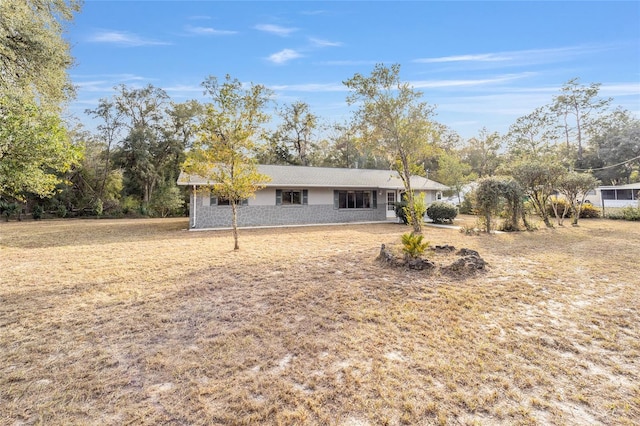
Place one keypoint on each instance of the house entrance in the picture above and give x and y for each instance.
(391, 199)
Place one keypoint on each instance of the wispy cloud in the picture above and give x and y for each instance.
(486, 57)
(104, 83)
(209, 31)
(123, 38)
(349, 63)
(284, 55)
(620, 89)
(432, 84)
(518, 56)
(314, 12)
(275, 29)
(316, 42)
(185, 88)
(310, 87)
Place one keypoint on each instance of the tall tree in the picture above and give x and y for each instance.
(482, 152)
(222, 151)
(108, 134)
(34, 85)
(454, 173)
(296, 132)
(34, 150)
(34, 57)
(347, 151)
(532, 135)
(146, 149)
(614, 148)
(179, 133)
(392, 118)
(577, 106)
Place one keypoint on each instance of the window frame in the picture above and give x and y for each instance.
(303, 197)
(214, 200)
(354, 199)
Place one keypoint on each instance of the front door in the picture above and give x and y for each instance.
(391, 200)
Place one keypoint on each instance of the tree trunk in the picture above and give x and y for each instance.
(487, 219)
(416, 221)
(234, 224)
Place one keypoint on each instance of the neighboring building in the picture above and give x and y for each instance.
(615, 196)
(299, 195)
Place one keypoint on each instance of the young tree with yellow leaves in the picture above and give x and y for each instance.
(222, 152)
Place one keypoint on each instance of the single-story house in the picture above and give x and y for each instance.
(615, 195)
(298, 195)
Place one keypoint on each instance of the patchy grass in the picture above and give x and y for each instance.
(112, 322)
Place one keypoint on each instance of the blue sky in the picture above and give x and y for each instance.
(482, 64)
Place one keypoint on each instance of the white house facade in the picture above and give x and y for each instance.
(616, 196)
(298, 195)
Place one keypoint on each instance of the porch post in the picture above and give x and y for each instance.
(195, 202)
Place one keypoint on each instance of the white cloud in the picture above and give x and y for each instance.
(275, 29)
(123, 38)
(422, 84)
(349, 63)
(283, 56)
(620, 89)
(486, 57)
(519, 56)
(104, 83)
(310, 87)
(324, 43)
(209, 31)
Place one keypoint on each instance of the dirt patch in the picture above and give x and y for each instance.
(466, 264)
(141, 322)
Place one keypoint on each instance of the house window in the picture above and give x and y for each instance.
(608, 194)
(223, 201)
(291, 197)
(625, 194)
(354, 199)
(439, 196)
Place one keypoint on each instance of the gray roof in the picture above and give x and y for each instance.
(322, 177)
(626, 186)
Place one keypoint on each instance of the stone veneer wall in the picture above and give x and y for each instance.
(220, 216)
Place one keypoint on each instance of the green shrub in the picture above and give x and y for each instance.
(400, 209)
(420, 208)
(130, 205)
(98, 207)
(37, 212)
(61, 211)
(8, 209)
(441, 212)
(627, 213)
(167, 200)
(466, 207)
(413, 246)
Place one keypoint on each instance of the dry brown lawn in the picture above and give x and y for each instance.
(115, 322)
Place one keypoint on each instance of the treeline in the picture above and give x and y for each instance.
(131, 162)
